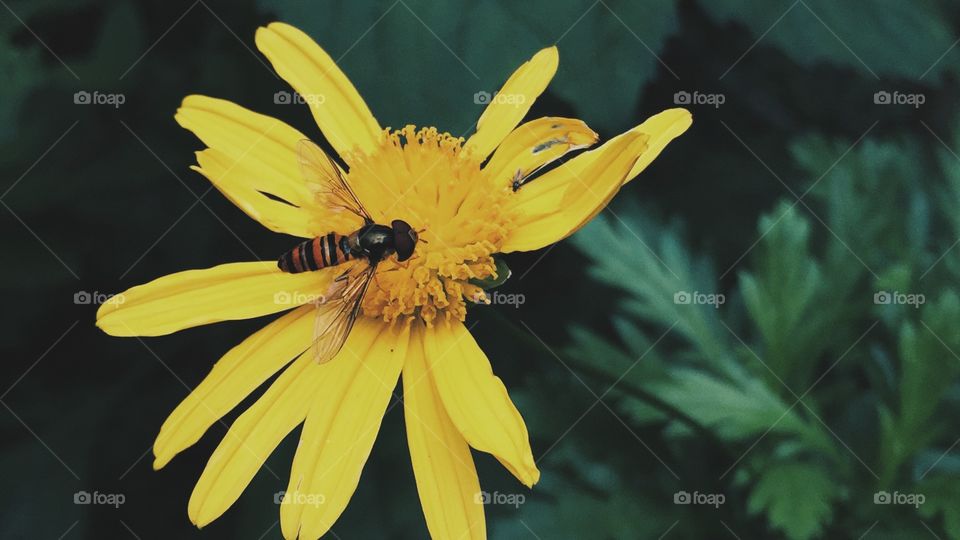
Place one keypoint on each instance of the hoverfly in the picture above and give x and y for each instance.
(369, 245)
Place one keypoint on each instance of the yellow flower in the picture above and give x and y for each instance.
(412, 321)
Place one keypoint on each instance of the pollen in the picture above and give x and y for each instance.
(426, 178)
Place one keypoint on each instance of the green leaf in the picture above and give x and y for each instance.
(872, 201)
(787, 297)
(650, 262)
(617, 46)
(796, 497)
(942, 493)
(879, 37)
(928, 368)
(422, 62)
(732, 411)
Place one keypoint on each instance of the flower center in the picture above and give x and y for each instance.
(425, 178)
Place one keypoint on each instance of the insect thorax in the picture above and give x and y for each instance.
(373, 241)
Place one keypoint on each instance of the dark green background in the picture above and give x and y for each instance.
(695, 399)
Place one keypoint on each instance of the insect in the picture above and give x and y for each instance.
(518, 180)
(521, 177)
(338, 309)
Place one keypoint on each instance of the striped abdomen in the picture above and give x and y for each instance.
(320, 252)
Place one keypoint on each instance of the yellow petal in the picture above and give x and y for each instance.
(535, 144)
(477, 401)
(233, 378)
(561, 201)
(337, 107)
(252, 438)
(251, 154)
(660, 129)
(446, 476)
(196, 297)
(508, 107)
(341, 426)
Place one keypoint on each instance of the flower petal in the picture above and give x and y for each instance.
(252, 438)
(341, 426)
(476, 399)
(508, 107)
(196, 297)
(251, 155)
(446, 476)
(561, 201)
(535, 144)
(337, 107)
(233, 378)
(661, 129)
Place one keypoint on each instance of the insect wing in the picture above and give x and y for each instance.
(323, 176)
(339, 311)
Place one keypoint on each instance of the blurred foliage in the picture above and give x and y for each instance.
(602, 73)
(877, 37)
(828, 383)
(798, 399)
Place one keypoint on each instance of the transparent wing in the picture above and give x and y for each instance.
(520, 178)
(339, 310)
(323, 176)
